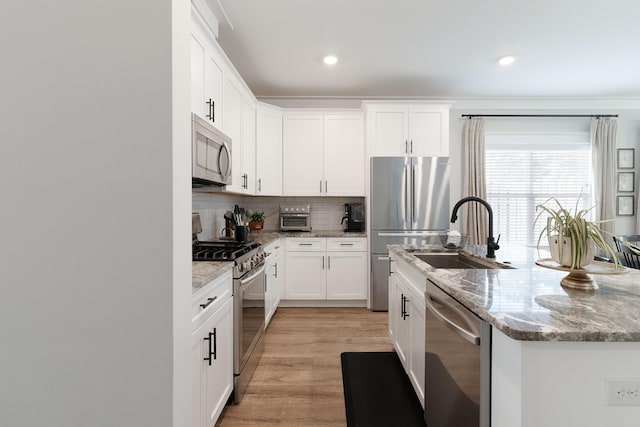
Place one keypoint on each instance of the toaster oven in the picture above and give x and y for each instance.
(295, 217)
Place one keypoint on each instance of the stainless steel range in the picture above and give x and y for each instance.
(248, 300)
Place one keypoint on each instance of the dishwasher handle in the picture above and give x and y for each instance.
(468, 336)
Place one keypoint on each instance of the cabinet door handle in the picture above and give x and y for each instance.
(406, 146)
(209, 301)
(403, 307)
(215, 344)
(320, 186)
(329, 262)
(259, 184)
(326, 187)
(212, 343)
(266, 287)
(211, 115)
(412, 146)
(323, 262)
(275, 266)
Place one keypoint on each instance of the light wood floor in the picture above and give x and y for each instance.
(298, 381)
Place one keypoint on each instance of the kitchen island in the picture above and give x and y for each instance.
(553, 349)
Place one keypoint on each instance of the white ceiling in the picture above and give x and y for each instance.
(435, 48)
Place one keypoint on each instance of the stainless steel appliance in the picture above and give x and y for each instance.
(353, 217)
(457, 364)
(210, 154)
(295, 217)
(409, 204)
(248, 300)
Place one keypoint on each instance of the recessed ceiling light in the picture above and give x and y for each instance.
(506, 60)
(330, 60)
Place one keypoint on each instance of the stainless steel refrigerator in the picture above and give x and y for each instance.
(409, 204)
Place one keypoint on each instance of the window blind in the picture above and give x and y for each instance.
(524, 170)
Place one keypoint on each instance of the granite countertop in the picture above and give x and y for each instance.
(528, 303)
(204, 272)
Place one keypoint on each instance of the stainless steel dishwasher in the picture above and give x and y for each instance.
(457, 363)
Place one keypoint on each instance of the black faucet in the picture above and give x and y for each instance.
(492, 244)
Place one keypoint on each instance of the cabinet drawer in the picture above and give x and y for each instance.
(358, 244)
(301, 244)
(208, 299)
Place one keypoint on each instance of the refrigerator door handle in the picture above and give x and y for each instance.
(406, 195)
(413, 192)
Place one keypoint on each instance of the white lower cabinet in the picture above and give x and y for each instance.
(326, 268)
(212, 350)
(346, 272)
(406, 325)
(273, 279)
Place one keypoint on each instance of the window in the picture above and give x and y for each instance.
(524, 170)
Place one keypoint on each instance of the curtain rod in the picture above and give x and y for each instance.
(540, 115)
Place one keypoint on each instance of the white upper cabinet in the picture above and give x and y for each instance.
(248, 159)
(303, 151)
(268, 151)
(207, 71)
(240, 126)
(408, 129)
(233, 128)
(323, 154)
(344, 155)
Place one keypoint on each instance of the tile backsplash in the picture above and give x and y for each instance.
(326, 212)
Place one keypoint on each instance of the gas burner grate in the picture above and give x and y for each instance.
(221, 251)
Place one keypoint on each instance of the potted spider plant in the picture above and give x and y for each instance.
(572, 237)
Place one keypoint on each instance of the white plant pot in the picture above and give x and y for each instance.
(556, 241)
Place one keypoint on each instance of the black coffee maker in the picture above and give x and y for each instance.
(354, 217)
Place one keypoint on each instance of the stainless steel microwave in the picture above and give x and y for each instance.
(210, 154)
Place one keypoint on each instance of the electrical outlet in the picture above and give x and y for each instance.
(622, 391)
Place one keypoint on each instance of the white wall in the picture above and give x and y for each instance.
(88, 154)
(628, 135)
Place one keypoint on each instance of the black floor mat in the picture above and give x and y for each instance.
(377, 391)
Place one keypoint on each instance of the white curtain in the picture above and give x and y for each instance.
(474, 181)
(603, 144)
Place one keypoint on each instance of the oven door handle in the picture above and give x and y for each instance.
(468, 336)
(253, 276)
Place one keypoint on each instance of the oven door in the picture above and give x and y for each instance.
(295, 222)
(249, 315)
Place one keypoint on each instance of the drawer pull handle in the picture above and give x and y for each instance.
(305, 244)
(346, 244)
(209, 301)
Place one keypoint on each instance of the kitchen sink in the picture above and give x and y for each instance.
(457, 261)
